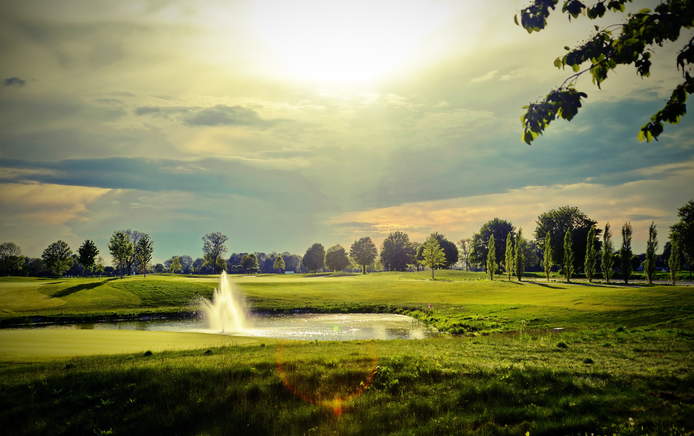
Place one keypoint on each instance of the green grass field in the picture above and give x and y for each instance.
(622, 364)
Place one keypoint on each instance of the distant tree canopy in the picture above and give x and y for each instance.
(557, 222)
(449, 250)
(249, 264)
(87, 254)
(336, 258)
(314, 259)
(122, 251)
(363, 251)
(631, 42)
(58, 257)
(143, 253)
(213, 248)
(278, 264)
(684, 228)
(433, 255)
(500, 229)
(11, 259)
(397, 252)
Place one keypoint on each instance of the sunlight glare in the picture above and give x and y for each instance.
(346, 42)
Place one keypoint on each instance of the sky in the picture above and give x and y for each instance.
(284, 123)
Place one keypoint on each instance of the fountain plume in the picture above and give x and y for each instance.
(226, 312)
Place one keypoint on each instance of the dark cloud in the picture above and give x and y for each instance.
(14, 81)
(204, 176)
(220, 115)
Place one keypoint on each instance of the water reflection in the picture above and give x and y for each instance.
(322, 327)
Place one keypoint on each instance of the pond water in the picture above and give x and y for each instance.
(322, 327)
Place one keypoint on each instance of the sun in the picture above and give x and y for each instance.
(344, 42)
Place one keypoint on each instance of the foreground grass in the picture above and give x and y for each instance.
(603, 382)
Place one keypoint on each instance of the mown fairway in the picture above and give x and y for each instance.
(621, 365)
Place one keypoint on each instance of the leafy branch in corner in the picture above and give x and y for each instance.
(628, 43)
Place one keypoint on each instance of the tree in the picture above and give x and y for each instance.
(175, 265)
(186, 264)
(213, 248)
(87, 254)
(122, 250)
(314, 259)
(480, 241)
(519, 256)
(674, 259)
(249, 263)
(143, 253)
(491, 257)
(57, 257)
(607, 256)
(433, 255)
(11, 259)
(625, 253)
(397, 252)
(651, 246)
(547, 255)
(336, 258)
(589, 264)
(465, 250)
(627, 43)
(508, 260)
(133, 236)
(99, 267)
(278, 264)
(568, 266)
(557, 222)
(449, 249)
(685, 229)
(363, 252)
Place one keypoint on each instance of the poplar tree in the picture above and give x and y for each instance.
(547, 261)
(607, 258)
(568, 256)
(674, 260)
(625, 253)
(589, 264)
(519, 256)
(491, 257)
(651, 246)
(508, 255)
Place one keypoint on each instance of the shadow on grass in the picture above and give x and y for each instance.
(72, 289)
(544, 285)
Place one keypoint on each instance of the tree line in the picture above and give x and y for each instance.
(565, 240)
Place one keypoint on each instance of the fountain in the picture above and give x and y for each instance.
(227, 310)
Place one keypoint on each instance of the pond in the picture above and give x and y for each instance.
(311, 326)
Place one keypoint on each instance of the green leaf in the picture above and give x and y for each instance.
(558, 63)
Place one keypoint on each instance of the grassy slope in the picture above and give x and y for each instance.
(601, 379)
(461, 302)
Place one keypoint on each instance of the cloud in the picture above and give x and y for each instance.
(220, 176)
(219, 115)
(639, 201)
(14, 81)
(485, 77)
(35, 214)
(222, 115)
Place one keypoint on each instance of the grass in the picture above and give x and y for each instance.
(458, 302)
(622, 364)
